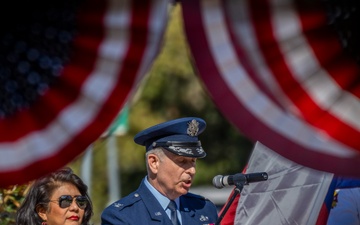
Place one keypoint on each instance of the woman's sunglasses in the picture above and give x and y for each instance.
(66, 200)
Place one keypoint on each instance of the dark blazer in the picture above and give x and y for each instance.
(141, 208)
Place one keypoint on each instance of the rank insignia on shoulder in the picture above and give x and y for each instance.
(118, 205)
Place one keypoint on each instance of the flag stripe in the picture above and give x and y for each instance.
(318, 92)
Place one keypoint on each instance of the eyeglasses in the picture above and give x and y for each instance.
(66, 200)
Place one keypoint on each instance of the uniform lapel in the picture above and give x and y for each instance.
(156, 212)
(191, 214)
(187, 213)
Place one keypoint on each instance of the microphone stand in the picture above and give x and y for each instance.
(238, 188)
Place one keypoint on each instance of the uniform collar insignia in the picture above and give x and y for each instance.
(204, 218)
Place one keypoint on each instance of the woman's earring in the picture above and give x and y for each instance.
(44, 223)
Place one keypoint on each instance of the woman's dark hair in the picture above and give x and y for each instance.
(41, 191)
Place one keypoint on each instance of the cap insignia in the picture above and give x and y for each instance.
(193, 128)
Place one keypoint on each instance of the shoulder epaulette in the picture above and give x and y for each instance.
(127, 201)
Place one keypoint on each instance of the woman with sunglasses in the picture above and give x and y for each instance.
(59, 198)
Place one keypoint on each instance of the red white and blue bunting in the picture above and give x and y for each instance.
(278, 72)
(115, 45)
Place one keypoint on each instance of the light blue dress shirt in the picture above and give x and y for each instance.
(164, 201)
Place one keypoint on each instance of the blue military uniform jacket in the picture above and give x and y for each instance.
(141, 208)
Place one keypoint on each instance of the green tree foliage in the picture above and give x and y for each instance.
(10, 200)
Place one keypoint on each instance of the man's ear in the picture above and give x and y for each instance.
(41, 211)
(153, 162)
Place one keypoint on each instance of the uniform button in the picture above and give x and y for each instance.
(136, 195)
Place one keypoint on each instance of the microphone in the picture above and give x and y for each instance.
(221, 181)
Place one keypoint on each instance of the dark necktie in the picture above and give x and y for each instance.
(174, 218)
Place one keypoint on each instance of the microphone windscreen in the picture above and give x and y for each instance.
(217, 181)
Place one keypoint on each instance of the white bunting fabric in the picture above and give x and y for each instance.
(293, 194)
(278, 71)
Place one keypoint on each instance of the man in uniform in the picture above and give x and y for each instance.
(172, 149)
